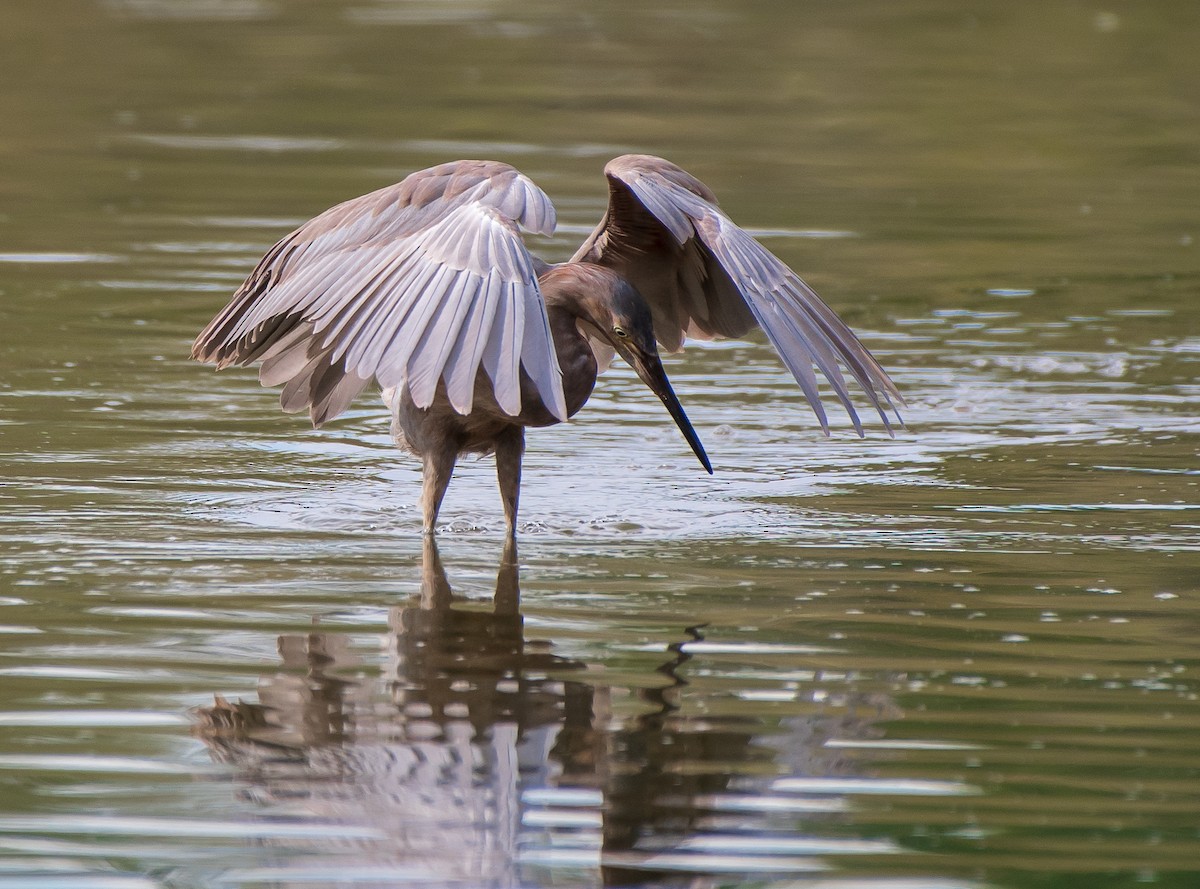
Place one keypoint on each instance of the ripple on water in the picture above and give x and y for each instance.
(957, 659)
(56, 258)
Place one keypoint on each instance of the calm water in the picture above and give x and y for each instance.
(964, 658)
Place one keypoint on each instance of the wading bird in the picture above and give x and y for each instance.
(427, 287)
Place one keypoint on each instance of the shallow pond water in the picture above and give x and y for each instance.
(962, 657)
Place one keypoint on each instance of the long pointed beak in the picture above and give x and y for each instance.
(650, 369)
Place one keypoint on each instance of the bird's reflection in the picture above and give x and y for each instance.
(481, 755)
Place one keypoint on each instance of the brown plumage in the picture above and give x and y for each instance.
(427, 288)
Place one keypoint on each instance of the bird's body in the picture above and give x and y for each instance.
(439, 433)
(427, 287)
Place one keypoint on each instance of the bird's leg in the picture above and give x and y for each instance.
(439, 466)
(510, 446)
(435, 588)
(508, 586)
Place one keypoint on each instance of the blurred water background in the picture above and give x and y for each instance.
(960, 659)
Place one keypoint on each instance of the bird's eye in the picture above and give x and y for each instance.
(620, 333)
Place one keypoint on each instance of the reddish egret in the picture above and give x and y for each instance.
(427, 287)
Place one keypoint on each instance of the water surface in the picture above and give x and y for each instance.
(961, 658)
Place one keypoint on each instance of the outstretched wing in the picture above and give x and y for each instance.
(417, 283)
(706, 278)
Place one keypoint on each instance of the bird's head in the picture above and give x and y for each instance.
(610, 307)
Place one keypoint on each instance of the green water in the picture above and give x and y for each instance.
(959, 659)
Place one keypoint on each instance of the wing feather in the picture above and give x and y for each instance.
(541, 368)
(416, 284)
(437, 340)
(706, 278)
(371, 349)
(394, 366)
(468, 349)
(291, 354)
(360, 319)
(500, 355)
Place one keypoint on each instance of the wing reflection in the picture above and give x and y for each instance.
(479, 755)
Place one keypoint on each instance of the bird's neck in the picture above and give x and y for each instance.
(575, 355)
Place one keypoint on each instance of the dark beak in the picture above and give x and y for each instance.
(650, 369)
